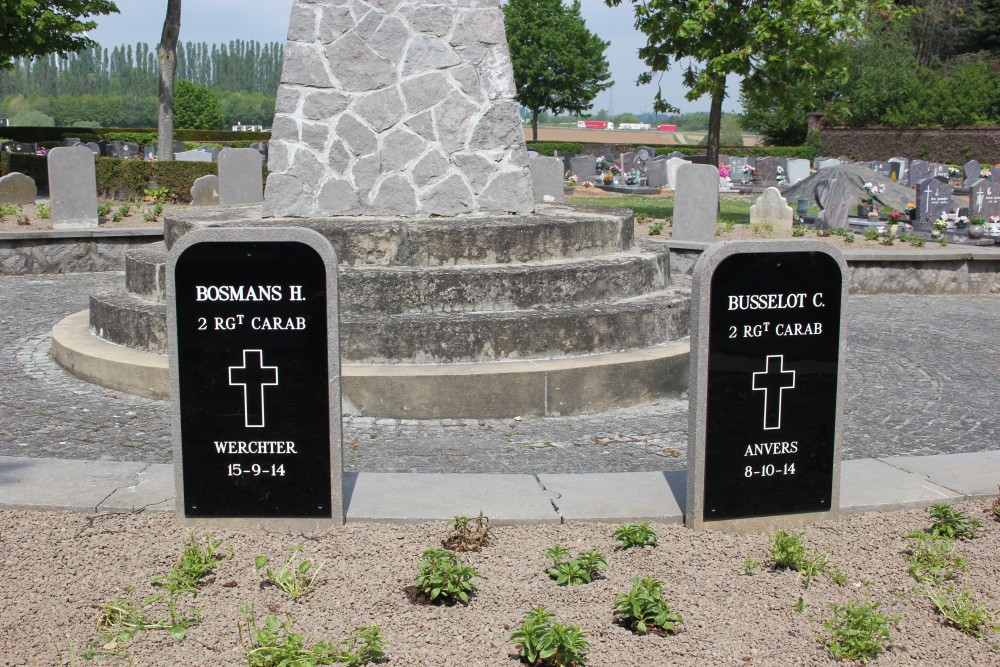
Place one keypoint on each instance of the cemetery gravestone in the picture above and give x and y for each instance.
(835, 202)
(933, 199)
(93, 147)
(696, 203)
(995, 174)
(72, 188)
(23, 148)
(255, 378)
(241, 179)
(546, 178)
(902, 170)
(179, 147)
(767, 378)
(70, 141)
(584, 167)
(798, 170)
(193, 156)
(972, 170)
(148, 153)
(895, 169)
(736, 165)
(984, 199)
(105, 148)
(772, 208)
(16, 188)
(205, 191)
(656, 173)
(918, 171)
(767, 171)
(675, 163)
(827, 162)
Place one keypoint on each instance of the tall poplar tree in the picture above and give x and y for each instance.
(559, 65)
(777, 46)
(167, 52)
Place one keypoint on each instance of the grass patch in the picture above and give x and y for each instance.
(735, 211)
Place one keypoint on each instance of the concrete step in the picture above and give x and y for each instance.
(123, 318)
(554, 231)
(468, 288)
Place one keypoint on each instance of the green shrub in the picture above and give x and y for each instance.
(933, 558)
(631, 535)
(550, 147)
(951, 524)
(543, 642)
(857, 631)
(643, 608)
(468, 533)
(442, 577)
(788, 552)
(961, 611)
(578, 571)
(293, 577)
(134, 136)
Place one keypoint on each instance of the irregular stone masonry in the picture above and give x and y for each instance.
(397, 107)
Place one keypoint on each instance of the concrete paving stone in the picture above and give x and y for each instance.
(432, 497)
(973, 474)
(150, 490)
(627, 496)
(32, 483)
(870, 484)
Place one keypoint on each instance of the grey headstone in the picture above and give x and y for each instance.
(724, 159)
(628, 161)
(241, 178)
(148, 152)
(904, 164)
(939, 169)
(656, 174)
(984, 198)
(205, 191)
(771, 207)
(16, 188)
(797, 170)
(696, 203)
(23, 148)
(179, 147)
(72, 188)
(105, 147)
(918, 171)
(736, 173)
(995, 174)
(676, 154)
(845, 160)
(675, 163)
(93, 147)
(124, 150)
(835, 202)
(584, 167)
(933, 198)
(972, 169)
(70, 141)
(827, 162)
(193, 156)
(438, 73)
(546, 178)
(767, 171)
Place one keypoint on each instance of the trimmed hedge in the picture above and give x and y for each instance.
(550, 147)
(35, 166)
(37, 135)
(121, 179)
(806, 152)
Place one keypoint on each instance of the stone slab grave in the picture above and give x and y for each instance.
(673, 164)
(736, 165)
(995, 174)
(984, 199)
(656, 173)
(196, 155)
(73, 188)
(584, 167)
(241, 179)
(933, 199)
(824, 163)
(419, 99)
(898, 172)
(797, 170)
(918, 171)
(205, 191)
(696, 203)
(772, 208)
(835, 201)
(546, 179)
(767, 385)
(972, 170)
(16, 188)
(255, 378)
(767, 171)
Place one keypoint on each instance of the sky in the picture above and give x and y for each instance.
(217, 21)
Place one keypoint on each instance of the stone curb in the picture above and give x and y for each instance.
(886, 484)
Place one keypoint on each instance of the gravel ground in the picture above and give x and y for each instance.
(59, 569)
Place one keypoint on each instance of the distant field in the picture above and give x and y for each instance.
(624, 137)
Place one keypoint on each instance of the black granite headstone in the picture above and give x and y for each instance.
(254, 375)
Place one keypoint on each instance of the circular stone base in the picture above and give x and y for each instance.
(577, 385)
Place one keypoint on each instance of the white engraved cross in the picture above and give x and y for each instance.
(253, 376)
(773, 381)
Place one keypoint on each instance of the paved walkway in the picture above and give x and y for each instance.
(921, 421)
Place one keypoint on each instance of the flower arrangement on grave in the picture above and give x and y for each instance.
(942, 223)
(723, 171)
(571, 179)
(953, 171)
(749, 171)
(893, 217)
(780, 175)
(874, 188)
(993, 225)
(602, 164)
(911, 211)
(984, 171)
(961, 221)
(632, 177)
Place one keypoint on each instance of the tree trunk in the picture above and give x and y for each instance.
(715, 124)
(167, 52)
(534, 125)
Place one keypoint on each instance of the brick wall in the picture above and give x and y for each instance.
(935, 144)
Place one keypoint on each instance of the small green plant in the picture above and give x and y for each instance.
(799, 230)
(727, 226)
(916, 241)
(871, 235)
(750, 566)
(43, 211)
(849, 237)
(961, 611)
(293, 576)
(120, 620)
(274, 644)
(788, 552)
(887, 240)
(951, 524)
(576, 572)
(104, 210)
(838, 577)
(8, 209)
(194, 564)
(656, 228)
(468, 533)
(642, 218)
(23, 220)
(943, 242)
(635, 535)
(443, 578)
(543, 642)
(932, 558)
(857, 631)
(765, 228)
(643, 608)
(158, 195)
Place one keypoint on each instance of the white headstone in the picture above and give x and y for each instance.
(771, 207)
(673, 164)
(696, 203)
(73, 188)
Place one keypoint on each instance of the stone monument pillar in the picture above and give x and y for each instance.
(397, 107)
